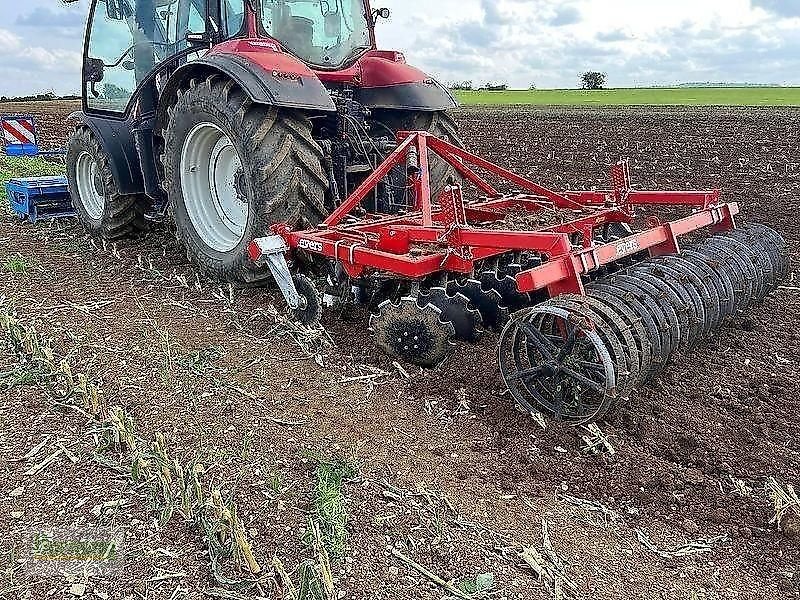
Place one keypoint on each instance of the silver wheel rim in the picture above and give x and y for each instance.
(90, 186)
(209, 167)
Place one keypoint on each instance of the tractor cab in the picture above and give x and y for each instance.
(130, 43)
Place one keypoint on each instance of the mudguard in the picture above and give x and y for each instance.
(116, 137)
(427, 95)
(266, 74)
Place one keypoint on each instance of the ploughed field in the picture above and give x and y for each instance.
(449, 474)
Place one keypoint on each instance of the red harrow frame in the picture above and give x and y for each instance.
(620, 302)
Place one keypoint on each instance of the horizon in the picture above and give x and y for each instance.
(684, 86)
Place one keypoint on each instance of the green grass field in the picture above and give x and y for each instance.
(753, 96)
(27, 166)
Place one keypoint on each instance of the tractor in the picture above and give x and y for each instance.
(285, 146)
(232, 116)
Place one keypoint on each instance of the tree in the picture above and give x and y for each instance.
(593, 80)
(115, 92)
(461, 86)
(532, 86)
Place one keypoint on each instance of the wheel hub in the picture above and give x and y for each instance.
(214, 187)
(91, 189)
(550, 369)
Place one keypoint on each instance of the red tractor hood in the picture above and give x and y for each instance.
(376, 68)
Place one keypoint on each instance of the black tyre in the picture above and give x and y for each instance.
(440, 124)
(102, 210)
(232, 169)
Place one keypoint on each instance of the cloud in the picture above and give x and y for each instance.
(565, 15)
(9, 41)
(25, 69)
(493, 13)
(784, 8)
(475, 34)
(46, 16)
(617, 35)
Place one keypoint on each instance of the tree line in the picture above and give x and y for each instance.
(590, 80)
(46, 96)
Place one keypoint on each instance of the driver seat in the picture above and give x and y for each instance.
(297, 33)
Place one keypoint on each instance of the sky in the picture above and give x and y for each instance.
(519, 42)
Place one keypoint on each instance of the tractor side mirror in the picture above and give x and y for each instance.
(114, 10)
(94, 70)
(383, 13)
(333, 25)
(128, 65)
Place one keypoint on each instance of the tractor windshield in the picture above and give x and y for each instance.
(323, 33)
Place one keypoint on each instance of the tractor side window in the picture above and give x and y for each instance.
(109, 70)
(179, 18)
(128, 41)
(234, 16)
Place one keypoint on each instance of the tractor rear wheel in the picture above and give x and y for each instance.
(102, 210)
(440, 124)
(232, 169)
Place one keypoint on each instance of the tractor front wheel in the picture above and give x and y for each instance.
(101, 209)
(232, 169)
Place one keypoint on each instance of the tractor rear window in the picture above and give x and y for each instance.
(323, 33)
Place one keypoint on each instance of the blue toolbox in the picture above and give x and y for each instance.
(37, 198)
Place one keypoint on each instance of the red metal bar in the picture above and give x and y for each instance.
(448, 151)
(424, 187)
(475, 179)
(697, 198)
(588, 260)
(357, 254)
(703, 198)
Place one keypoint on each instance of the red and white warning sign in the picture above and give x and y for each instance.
(19, 130)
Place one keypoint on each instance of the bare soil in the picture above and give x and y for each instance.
(692, 452)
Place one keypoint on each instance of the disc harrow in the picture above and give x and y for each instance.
(412, 331)
(590, 304)
(494, 314)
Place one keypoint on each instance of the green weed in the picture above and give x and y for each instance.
(26, 166)
(21, 377)
(329, 503)
(275, 482)
(202, 360)
(16, 265)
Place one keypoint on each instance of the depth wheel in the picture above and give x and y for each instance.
(232, 169)
(553, 361)
(102, 210)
